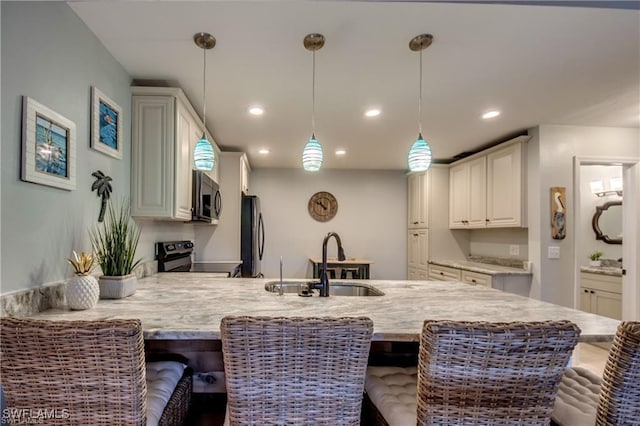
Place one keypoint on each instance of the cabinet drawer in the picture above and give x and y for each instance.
(476, 278)
(443, 273)
(601, 282)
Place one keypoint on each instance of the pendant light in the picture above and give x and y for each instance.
(420, 152)
(312, 154)
(204, 157)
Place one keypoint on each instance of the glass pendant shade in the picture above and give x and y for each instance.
(420, 155)
(312, 155)
(204, 158)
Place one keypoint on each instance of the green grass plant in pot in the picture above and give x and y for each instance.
(114, 243)
(82, 290)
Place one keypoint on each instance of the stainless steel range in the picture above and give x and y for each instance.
(174, 256)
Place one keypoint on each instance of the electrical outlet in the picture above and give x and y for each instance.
(553, 252)
(514, 250)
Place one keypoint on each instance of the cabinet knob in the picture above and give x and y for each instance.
(473, 281)
(442, 273)
(415, 223)
(487, 220)
(592, 292)
(586, 291)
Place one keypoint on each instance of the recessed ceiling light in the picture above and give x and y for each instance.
(256, 110)
(341, 151)
(490, 114)
(373, 112)
(264, 151)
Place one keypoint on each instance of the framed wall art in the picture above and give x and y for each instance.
(106, 124)
(48, 146)
(558, 212)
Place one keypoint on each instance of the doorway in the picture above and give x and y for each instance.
(585, 169)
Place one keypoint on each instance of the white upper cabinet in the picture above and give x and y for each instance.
(165, 129)
(418, 200)
(487, 190)
(504, 187)
(467, 194)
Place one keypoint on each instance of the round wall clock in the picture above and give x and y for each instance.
(322, 206)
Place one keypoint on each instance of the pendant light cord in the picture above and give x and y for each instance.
(313, 96)
(204, 88)
(420, 98)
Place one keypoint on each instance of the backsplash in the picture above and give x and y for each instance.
(50, 296)
(502, 261)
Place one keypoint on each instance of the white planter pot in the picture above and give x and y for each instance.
(117, 287)
(595, 263)
(82, 292)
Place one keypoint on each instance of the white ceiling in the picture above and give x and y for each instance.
(537, 64)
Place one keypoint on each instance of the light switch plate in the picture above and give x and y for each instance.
(553, 252)
(514, 250)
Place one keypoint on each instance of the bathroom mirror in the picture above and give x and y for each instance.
(607, 222)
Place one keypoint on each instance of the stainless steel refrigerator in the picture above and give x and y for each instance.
(251, 236)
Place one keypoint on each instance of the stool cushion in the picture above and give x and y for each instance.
(162, 378)
(393, 391)
(577, 400)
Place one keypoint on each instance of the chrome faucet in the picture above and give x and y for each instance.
(324, 277)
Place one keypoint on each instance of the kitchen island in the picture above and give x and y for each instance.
(189, 306)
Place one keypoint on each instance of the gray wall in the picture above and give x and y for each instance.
(49, 55)
(551, 153)
(371, 218)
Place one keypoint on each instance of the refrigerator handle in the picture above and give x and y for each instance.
(260, 236)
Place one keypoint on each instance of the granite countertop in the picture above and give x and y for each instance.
(191, 305)
(602, 270)
(480, 267)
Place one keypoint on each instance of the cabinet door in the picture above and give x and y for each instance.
(416, 274)
(418, 200)
(244, 176)
(606, 304)
(504, 187)
(585, 300)
(418, 249)
(477, 193)
(186, 132)
(152, 156)
(458, 196)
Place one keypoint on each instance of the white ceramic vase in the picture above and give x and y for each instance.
(117, 287)
(82, 292)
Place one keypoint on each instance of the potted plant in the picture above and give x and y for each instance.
(82, 290)
(114, 244)
(595, 258)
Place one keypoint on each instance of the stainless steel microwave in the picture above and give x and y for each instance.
(207, 201)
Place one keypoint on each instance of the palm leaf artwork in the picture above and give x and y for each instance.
(103, 190)
(115, 242)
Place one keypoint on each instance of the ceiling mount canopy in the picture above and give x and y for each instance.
(420, 152)
(312, 153)
(204, 157)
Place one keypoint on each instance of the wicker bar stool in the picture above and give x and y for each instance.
(478, 373)
(295, 371)
(89, 373)
(613, 399)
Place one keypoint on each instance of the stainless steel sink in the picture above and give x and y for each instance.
(336, 288)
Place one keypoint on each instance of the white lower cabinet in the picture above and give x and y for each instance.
(475, 278)
(519, 284)
(601, 294)
(417, 253)
(417, 274)
(443, 273)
